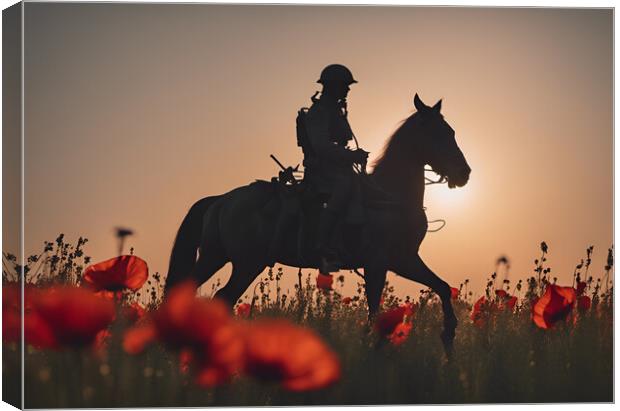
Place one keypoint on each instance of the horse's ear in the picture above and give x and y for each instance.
(419, 105)
(437, 107)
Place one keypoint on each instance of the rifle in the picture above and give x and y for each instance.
(286, 175)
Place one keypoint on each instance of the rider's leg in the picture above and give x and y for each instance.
(331, 214)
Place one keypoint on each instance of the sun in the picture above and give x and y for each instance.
(440, 197)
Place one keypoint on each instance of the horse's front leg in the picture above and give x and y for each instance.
(414, 269)
(374, 277)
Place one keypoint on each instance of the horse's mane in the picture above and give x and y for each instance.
(395, 150)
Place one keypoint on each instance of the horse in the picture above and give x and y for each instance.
(230, 227)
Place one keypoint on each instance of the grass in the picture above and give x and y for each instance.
(505, 360)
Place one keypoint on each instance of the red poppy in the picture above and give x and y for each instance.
(243, 310)
(454, 293)
(296, 357)
(186, 357)
(137, 338)
(202, 326)
(74, 315)
(409, 309)
(100, 345)
(478, 310)
(11, 309)
(501, 294)
(347, 300)
(134, 312)
(388, 320)
(555, 304)
(511, 303)
(401, 333)
(118, 273)
(324, 282)
(584, 302)
(223, 355)
(581, 287)
(37, 332)
(506, 301)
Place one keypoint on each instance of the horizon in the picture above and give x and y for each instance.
(134, 112)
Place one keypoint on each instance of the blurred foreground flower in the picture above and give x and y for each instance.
(57, 317)
(295, 356)
(185, 322)
(555, 304)
(134, 312)
(117, 274)
(454, 293)
(36, 331)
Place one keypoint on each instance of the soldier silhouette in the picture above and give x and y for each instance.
(328, 162)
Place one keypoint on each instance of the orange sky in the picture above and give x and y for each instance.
(135, 111)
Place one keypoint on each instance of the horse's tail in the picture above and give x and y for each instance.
(187, 241)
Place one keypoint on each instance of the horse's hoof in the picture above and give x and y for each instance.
(447, 338)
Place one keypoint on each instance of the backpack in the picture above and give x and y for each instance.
(302, 133)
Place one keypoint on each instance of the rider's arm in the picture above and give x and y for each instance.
(317, 126)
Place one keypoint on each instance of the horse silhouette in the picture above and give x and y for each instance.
(231, 227)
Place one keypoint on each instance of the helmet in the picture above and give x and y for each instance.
(336, 72)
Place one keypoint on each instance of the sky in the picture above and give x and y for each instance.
(133, 112)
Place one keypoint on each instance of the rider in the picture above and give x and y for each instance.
(328, 162)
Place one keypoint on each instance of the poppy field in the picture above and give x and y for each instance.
(100, 334)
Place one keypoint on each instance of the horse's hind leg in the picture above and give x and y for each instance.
(374, 278)
(208, 263)
(240, 279)
(415, 269)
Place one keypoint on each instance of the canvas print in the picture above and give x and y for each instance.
(250, 205)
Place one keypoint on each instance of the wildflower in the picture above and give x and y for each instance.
(73, 315)
(454, 293)
(581, 287)
(555, 304)
(296, 357)
(243, 310)
(116, 274)
(137, 338)
(11, 312)
(134, 312)
(324, 282)
(506, 301)
(511, 303)
(477, 311)
(36, 331)
(202, 326)
(185, 359)
(388, 320)
(584, 302)
(100, 344)
(501, 293)
(409, 309)
(400, 334)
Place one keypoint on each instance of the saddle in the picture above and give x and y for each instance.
(298, 207)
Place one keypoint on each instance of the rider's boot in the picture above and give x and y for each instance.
(276, 243)
(329, 259)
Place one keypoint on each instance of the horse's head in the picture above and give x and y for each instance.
(438, 145)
